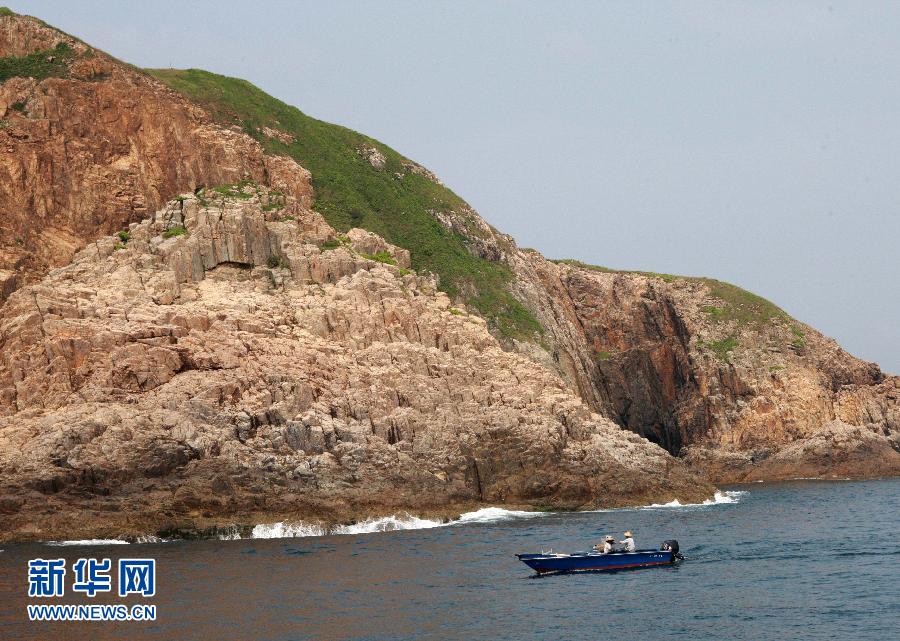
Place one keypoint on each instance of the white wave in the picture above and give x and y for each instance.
(492, 514)
(150, 538)
(283, 530)
(90, 542)
(728, 496)
(229, 534)
(675, 503)
(387, 524)
(719, 498)
(300, 529)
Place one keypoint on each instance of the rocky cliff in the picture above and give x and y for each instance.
(717, 375)
(234, 359)
(707, 370)
(90, 144)
(348, 340)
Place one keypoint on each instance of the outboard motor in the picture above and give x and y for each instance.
(671, 546)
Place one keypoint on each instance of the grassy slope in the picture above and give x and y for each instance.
(40, 64)
(737, 304)
(746, 308)
(350, 192)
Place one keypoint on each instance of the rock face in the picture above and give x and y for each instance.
(701, 370)
(231, 362)
(102, 146)
(228, 357)
(713, 373)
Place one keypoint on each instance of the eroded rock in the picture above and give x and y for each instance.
(238, 371)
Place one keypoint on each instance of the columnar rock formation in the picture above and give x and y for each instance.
(234, 359)
(228, 356)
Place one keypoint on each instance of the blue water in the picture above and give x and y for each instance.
(802, 560)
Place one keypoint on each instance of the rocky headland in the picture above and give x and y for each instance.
(217, 310)
(233, 358)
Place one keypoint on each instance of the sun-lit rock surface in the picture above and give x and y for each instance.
(262, 364)
(257, 363)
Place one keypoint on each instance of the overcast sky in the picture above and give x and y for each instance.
(755, 142)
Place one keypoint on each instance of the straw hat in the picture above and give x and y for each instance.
(628, 534)
(610, 539)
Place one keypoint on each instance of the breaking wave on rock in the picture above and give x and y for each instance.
(89, 542)
(282, 530)
(299, 529)
(719, 498)
(146, 538)
(392, 523)
(395, 522)
(492, 514)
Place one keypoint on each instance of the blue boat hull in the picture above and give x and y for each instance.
(593, 561)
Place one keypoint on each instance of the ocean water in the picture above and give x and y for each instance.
(800, 560)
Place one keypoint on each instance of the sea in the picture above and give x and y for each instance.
(798, 560)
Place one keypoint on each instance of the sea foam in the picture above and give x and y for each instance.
(395, 522)
(391, 523)
(90, 542)
(493, 514)
(719, 498)
(299, 529)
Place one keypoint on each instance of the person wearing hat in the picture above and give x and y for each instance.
(607, 546)
(628, 542)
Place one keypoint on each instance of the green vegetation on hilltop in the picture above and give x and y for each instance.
(799, 337)
(389, 200)
(46, 63)
(739, 305)
(6, 11)
(722, 347)
(607, 270)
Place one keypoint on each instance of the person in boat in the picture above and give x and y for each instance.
(628, 542)
(607, 545)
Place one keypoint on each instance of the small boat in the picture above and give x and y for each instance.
(545, 562)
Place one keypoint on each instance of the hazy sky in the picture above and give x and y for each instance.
(755, 142)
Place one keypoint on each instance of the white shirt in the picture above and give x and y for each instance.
(607, 547)
(629, 544)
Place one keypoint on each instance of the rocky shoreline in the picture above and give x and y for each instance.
(234, 357)
(186, 343)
